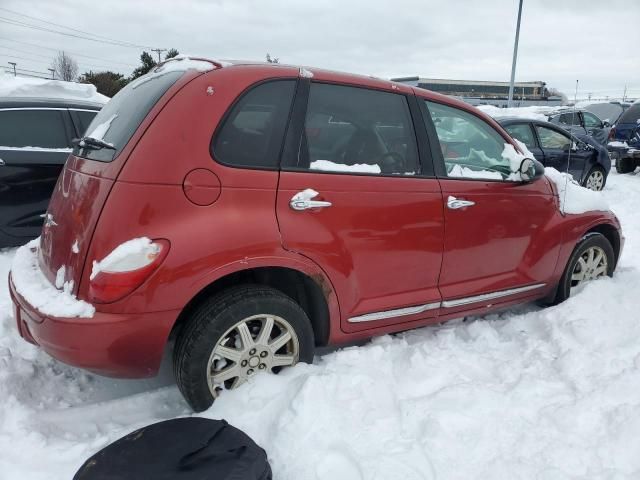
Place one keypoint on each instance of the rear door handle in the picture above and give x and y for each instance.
(303, 200)
(455, 203)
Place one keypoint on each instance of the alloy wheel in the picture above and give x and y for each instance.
(260, 343)
(591, 264)
(595, 180)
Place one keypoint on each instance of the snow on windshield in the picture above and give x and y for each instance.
(11, 86)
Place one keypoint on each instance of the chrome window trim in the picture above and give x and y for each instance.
(4, 148)
(398, 312)
(489, 296)
(83, 110)
(32, 108)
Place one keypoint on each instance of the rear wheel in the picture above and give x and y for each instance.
(234, 336)
(592, 258)
(625, 165)
(595, 179)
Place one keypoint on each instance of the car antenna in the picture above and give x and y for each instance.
(573, 118)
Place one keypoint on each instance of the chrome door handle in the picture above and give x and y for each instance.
(2, 164)
(455, 203)
(303, 200)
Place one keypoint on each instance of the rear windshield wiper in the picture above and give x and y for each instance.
(94, 143)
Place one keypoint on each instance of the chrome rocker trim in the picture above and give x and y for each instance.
(489, 296)
(398, 312)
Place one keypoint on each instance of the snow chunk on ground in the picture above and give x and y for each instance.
(11, 86)
(130, 255)
(35, 288)
(459, 171)
(328, 166)
(574, 198)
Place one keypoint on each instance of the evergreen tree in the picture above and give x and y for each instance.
(271, 59)
(108, 83)
(171, 53)
(147, 64)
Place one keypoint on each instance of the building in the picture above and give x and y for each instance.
(478, 92)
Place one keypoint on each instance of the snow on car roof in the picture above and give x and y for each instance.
(11, 86)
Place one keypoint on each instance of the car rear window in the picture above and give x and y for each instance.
(120, 117)
(631, 115)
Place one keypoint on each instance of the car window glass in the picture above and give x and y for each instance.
(252, 133)
(591, 121)
(33, 128)
(85, 118)
(552, 139)
(522, 132)
(471, 148)
(571, 118)
(349, 129)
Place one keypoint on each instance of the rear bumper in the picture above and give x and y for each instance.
(114, 345)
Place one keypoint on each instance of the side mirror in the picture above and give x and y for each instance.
(530, 170)
(606, 123)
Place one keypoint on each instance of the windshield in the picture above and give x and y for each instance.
(116, 123)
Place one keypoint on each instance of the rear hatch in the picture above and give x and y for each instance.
(91, 170)
(627, 128)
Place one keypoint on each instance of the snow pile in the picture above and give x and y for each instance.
(183, 63)
(459, 171)
(130, 255)
(573, 197)
(528, 394)
(532, 113)
(36, 289)
(617, 144)
(11, 86)
(328, 166)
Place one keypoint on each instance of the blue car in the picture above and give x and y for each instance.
(624, 139)
(582, 156)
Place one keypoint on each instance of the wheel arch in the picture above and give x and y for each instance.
(611, 234)
(308, 287)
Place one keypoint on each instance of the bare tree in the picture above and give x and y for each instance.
(65, 67)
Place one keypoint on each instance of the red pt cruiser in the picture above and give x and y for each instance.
(252, 212)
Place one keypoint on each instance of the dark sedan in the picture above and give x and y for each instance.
(584, 158)
(35, 140)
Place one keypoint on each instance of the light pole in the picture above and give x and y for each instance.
(515, 57)
(14, 67)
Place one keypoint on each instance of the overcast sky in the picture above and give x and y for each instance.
(596, 42)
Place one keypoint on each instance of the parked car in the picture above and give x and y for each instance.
(582, 122)
(35, 140)
(609, 112)
(254, 212)
(586, 160)
(625, 140)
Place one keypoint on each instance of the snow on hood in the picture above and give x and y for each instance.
(11, 86)
(35, 288)
(573, 197)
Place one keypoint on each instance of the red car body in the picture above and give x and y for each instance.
(387, 244)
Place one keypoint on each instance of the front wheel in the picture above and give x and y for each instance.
(595, 179)
(625, 165)
(592, 258)
(235, 335)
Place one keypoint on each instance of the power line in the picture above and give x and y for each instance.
(81, 63)
(69, 52)
(73, 29)
(18, 23)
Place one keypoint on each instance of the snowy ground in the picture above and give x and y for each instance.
(528, 394)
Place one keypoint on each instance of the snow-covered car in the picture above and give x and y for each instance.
(255, 212)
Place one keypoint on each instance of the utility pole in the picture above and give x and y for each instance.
(515, 56)
(14, 67)
(624, 95)
(53, 73)
(159, 50)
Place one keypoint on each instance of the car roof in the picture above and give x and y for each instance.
(35, 102)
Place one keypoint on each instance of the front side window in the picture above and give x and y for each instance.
(252, 133)
(350, 129)
(471, 148)
(553, 139)
(523, 133)
(570, 118)
(33, 128)
(591, 121)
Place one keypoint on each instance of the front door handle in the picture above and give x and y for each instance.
(303, 200)
(455, 203)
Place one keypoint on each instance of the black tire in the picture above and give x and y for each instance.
(596, 169)
(593, 239)
(625, 165)
(209, 322)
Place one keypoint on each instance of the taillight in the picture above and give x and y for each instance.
(125, 269)
(612, 134)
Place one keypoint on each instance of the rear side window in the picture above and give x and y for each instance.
(523, 133)
(122, 115)
(631, 115)
(85, 118)
(251, 135)
(33, 128)
(570, 118)
(357, 130)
